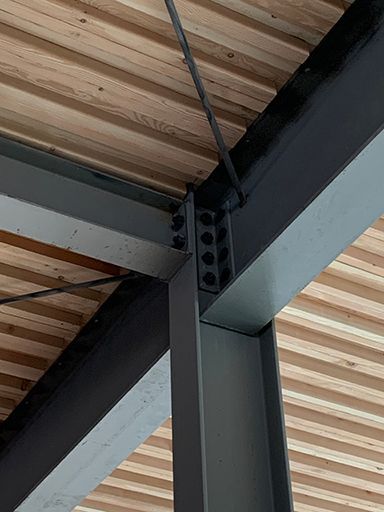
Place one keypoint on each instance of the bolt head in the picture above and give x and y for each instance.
(177, 222)
(206, 219)
(207, 238)
(178, 241)
(208, 258)
(209, 278)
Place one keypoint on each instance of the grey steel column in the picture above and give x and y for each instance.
(246, 456)
(189, 477)
(228, 429)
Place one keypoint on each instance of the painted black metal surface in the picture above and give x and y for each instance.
(109, 356)
(317, 123)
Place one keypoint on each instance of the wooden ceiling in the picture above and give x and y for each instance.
(34, 333)
(103, 82)
(331, 344)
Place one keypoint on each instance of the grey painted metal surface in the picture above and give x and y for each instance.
(188, 447)
(107, 359)
(349, 205)
(118, 434)
(245, 444)
(188, 456)
(68, 213)
(89, 176)
(229, 446)
(90, 239)
(229, 438)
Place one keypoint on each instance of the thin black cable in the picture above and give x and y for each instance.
(66, 289)
(205, 100)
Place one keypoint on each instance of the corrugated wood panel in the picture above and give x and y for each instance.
(103, 81)
(34, 333)
(331, 345)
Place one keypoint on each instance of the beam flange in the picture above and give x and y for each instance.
(311, 168)
(343, 211)
(106, 361)
(131, 421)
(315, 126)
(51, 200)
(229, 446)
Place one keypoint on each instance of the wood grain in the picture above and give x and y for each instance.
(34, 333)
(104, 82)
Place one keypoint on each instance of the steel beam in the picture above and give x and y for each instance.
(306, 166)
(107, 360)
(52, 200)
(318, 122)
(245, 441)
(334, 219)
(229, 443)
(129, 423)
(311, 167)
(187, 416)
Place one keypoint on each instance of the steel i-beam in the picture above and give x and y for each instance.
(229, 442)
(102, 385)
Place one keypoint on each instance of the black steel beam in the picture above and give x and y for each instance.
(310, 167)
(318, 122)
(109, 356)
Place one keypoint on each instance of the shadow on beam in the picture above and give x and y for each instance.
(128, 335)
